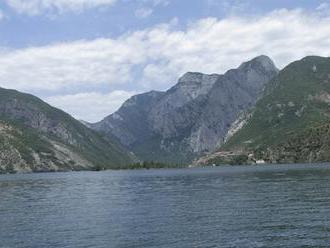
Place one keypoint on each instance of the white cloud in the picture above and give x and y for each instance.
(143, 12)
(154, 58)
(92, 106)
(36, 7)
(64, 66)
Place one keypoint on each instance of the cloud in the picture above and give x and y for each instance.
(154, 58)
(36, 7)
(67, 65)
(143, 12)
(92, 106)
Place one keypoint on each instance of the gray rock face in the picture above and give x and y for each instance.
(30, 114)
(130, 123)
(191, 118)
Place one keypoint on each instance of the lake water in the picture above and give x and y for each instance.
(261, 206)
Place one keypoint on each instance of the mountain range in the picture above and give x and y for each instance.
(191, 118)
(254, 113)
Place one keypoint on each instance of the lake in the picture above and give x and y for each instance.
(258, 206)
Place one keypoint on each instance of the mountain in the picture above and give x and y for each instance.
(37, 137)
(290, 124)
(191, 118)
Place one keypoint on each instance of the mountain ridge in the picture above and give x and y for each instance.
(192, 116)
(39, 137)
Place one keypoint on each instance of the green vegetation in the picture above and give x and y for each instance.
(151, 151)
(240, 159)
(143, 165)
(36, 126)
(312, 145)
(153, 165)
(290, 123)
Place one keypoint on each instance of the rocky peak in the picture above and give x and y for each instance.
(190, 86)
(262, 62)
(196, 77)
(144, 98)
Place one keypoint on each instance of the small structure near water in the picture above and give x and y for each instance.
(261, 161)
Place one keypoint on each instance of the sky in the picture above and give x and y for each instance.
(88, 56)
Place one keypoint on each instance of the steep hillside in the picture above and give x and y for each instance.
(191, 118)
(37, 137)
(130, 123)
(291, 122)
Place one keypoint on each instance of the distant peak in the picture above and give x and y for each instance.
(262, 58)
(153, 93)
(197, 77)
(142, 97)
(191, 76)
(262, 61)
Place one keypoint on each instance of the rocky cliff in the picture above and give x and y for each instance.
(191, 118)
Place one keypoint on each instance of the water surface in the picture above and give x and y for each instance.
(261, 206)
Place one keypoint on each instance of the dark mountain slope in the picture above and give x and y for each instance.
(37, 137)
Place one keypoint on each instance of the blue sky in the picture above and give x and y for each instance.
(88, 56)
(22, 29)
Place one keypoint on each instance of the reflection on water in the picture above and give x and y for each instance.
(264, 206)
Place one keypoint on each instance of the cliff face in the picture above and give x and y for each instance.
(37, 137)
(192, 117)
(290, 124)
(130, 124)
